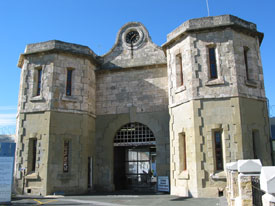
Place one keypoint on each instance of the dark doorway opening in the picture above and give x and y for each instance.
(135, 158)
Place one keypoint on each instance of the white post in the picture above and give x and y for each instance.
(232, 182)
(247, 169)
(267, 181)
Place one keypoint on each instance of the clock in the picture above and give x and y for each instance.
(132, 37)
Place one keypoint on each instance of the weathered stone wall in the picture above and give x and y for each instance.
(254, 117)
(29, 129)
(131, 86)
(53, 117)
(104, 162)
(231, 103)
(79, 130)
(141, 53)
(53, 84)
(253, 87)
(231, 79)
(143, 88)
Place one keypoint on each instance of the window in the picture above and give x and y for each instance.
(218, 150)
(212, 63)
(182, 152)
(134, 134)
(179, 72)
(273, 132)
(245, 51)
(69, 82)
(37, 81)
(66, 156)
(32, 154)
(255, 142)
(39, 76)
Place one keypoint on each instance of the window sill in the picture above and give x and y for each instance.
(219, 175)
(69, 99)
(251, 83)
(32, 176)
(37, 99)
(214, 82)
(184, 175)
(180, 89)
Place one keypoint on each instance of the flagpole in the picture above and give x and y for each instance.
(207, 7)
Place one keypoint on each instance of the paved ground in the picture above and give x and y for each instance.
(120, 200)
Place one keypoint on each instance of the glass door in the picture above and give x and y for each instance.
(140, 167)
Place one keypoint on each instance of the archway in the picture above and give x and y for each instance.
(134, 157)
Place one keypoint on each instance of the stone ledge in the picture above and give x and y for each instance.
(180, 89)
(32, 176)
(214, 82)
(69, 98)
(55, 46)
(212, 22)
(220, 175)
(37, 99)
(184, 175)
(251, 83)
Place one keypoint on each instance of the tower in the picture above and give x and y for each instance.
(56, 118)
(217, 104)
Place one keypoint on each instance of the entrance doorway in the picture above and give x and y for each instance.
(134, 158)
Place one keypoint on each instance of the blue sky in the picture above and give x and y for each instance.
(95, 23)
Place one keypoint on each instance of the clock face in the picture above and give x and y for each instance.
(132, 37)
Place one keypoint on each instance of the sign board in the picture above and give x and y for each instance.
(163, 183)
(6, 173)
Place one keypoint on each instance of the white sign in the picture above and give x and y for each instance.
(163, 183)
(6, 171)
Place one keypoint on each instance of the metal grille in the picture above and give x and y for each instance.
(257, 193)
(134, 134)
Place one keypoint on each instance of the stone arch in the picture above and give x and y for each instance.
(105, 137)
(134, 134)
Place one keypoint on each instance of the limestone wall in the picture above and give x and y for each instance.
(104, 162)
(233, 103)
(79, 130)
(144, 88)
(254, 118)
(29, 129)
(53, 84)
(52, 117)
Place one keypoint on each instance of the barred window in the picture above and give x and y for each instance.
(218, 150)
(66, 156)
(273, 132)
(245, 51)
(39, 77)
(212, 63)
(69, 82)
(134, 134)
(32, 155)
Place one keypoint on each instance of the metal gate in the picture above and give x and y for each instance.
(257, 193)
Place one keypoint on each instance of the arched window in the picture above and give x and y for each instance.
(134, 134)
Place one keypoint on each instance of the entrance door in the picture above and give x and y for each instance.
(138, 164)
(134, 157)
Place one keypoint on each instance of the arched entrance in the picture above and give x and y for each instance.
(134, 157)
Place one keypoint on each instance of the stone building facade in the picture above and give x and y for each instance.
(118, 121)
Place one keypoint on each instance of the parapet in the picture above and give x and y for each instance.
(58, 46)
(213, 22)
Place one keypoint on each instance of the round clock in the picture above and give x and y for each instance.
(132, 37)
